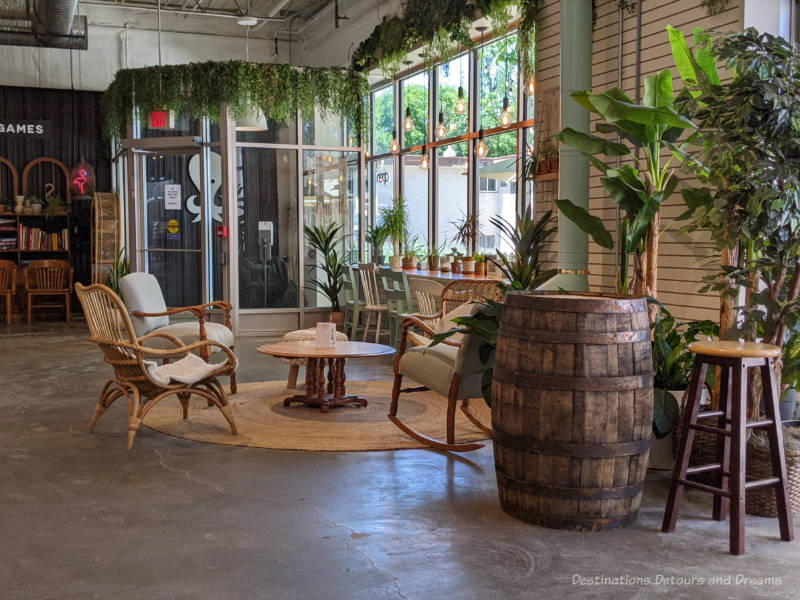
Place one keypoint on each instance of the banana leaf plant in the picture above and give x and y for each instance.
(634, 174)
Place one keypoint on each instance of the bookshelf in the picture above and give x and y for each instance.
(24, 238)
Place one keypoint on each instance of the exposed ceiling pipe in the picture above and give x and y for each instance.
(196, 12)
(43, 23)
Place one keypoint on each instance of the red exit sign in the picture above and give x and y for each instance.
(162, 119)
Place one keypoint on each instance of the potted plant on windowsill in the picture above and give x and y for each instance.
(672, 371)
(411, 255)
(468, 231)
(376, 237)
(394, 219)
(325, 240)
(455, 260)
(547, 158)
(480, 264)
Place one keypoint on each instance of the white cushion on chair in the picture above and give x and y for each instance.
(430, 366)
(141, 292)
(189, 370)
(444, 324)
(188, 332)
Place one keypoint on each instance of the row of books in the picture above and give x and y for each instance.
(33, 238)
(8, 234)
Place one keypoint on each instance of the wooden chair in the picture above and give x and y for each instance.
(8, 284)
(51, 279)
(397, 295)
(372, 299)
(141, 381)
(452, 368)
(353, 304)
(427, 293)
(149, 313)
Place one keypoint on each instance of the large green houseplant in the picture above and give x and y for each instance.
(327, 241)
(747, 161)
(639, 185)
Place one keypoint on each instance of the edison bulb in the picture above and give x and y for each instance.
(461, 106)
(481, 149)
(505, 119)
(395, 147)
(424, 163)
(441, 130)
(530, 86)
(408, 124)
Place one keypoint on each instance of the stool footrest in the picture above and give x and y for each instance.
(759, 424)
(710, 414)
(757, 483)
(710, 429)
(704, 488)
(703, 468)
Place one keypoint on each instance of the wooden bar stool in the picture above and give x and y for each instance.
(734, 358)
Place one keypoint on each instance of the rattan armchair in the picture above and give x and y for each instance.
(452, 368)
(51, 279)
(8, 284)
(136, 375)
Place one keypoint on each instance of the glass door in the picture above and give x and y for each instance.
(174, 230)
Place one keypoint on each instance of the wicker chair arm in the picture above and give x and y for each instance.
(169, 353)
(166, 336)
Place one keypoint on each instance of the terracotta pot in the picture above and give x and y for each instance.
(433, 262)
(480, 269)
(337, 317)
(409, 264)
(396, 263)
(455, 266)
(467, 265)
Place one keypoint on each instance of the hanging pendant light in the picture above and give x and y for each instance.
(461, 105)
(505, 114)
(395, 146)
(530, 85)
(424, 163)
(441, 130)
(408, 123)
(481, 149)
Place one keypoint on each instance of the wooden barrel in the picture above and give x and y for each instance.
(572, 408)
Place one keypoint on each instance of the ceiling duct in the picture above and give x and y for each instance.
(42, 23)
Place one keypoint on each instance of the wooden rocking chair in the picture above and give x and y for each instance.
(140, 380)
(452, 368)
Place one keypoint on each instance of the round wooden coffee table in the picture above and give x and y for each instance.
(318, 392)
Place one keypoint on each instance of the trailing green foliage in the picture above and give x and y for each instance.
(198, 90)
(326, 240)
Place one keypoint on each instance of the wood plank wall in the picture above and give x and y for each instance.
(683, 259)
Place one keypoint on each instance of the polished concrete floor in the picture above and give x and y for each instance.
(81, 517)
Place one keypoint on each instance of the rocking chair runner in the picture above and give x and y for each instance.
(139, 380)
(452, 368)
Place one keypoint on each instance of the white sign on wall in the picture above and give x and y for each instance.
(172, 196)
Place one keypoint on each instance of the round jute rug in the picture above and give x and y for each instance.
(264, 422)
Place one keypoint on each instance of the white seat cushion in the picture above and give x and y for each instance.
(430, 366)
(445, 323)
(188, 332)
(189, 370)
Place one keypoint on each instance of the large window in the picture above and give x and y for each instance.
(497, 190)
(498, 77)
(415, 104)
(454, 109)
(451, 191)
(268, 245)
(330, 195)
(461, 182)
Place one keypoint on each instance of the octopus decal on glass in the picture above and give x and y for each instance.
(215, 172)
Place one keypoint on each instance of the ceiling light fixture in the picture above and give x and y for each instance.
(461, 105)
(481, 149)
(408, 123)
(247, 21)
(424, 163)
(395, 147)
(253, 119)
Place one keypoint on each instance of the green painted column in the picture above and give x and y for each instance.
(573, 177)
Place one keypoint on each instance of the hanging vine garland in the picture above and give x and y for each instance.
(441, 27)
(198, 90)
